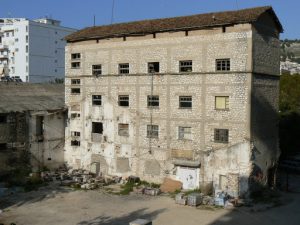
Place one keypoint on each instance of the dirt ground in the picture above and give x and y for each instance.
(63, 206)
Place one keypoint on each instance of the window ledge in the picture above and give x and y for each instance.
(185, 108)
(222, 109)
(153, 107)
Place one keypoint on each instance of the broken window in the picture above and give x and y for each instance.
(75, 65)
(185, 101)
(123, 100)
(186, 66)
(75, 143)
(152, 131)
(185, 133)
(3, 118)
(123, 68)
(97, 128)
(3, 146)
(39, 131)
(75, 115)
(153, 101)
(97, 70)
(97, 99)
(123, 129)
(75, 133)
(153, 67)
(75, 90)
(222, 102)
(75, 81)
(75, 56)
(222, 64)
(221, 135)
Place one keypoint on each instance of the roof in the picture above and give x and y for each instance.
(20, 97)
(198, 21)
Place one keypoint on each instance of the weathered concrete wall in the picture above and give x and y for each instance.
(264, 125)
(47, 150)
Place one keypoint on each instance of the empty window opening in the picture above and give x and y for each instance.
(154, 35)
(185, 133)
(97, 70)
(75, 65)
(75, 56)
(97, 99)
(186, 66)
(75, 90)
(186, 33)
(123, 129)
(221, 135)
(39, 125)
(222, 102)
(3, 146)
(124, 100)
(3, 118)
(185, 101)
(75, 115)
(223, 29)
(123, 68)
(75, 81)
(124, 38)
(153, 101)
(75, 143)
(222, 64)
(153, 67)
(97, 128)
(75, 133)
(152, 131)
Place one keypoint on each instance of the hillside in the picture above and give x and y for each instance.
(290, 49)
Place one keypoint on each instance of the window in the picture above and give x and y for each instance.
(75, 134)
(3, 118)
(123, 100)
(75, 143)
(39, 125)
(185, 101)
(222, 64)
(75, 115)
(75, 56)
(75, 90)
(186, 66)
(3, 146)
(123, 129)
(222, 102)
(153, 67)
(123, 68)
(75, 81)
(27, 48)
(97, 128)
(153, 101)
(75, 65)
(185, 133)
(26, 38)
(152, 131)
(97, 70)
(221, 135)
(97, 99)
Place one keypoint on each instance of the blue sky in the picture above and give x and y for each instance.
(79, 13)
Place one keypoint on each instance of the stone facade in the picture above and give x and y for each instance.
(152, 159)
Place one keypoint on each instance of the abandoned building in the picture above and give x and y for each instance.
(32, 125)
(192, 98)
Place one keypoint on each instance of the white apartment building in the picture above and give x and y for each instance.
(32, 49)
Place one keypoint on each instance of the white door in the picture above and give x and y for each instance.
(188, 177)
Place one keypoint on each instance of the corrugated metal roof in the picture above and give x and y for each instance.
(19, 97)
(171, 24)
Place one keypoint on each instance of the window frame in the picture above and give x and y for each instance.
(94, 127)
(75, 133)
(97, 71)
(182, 133)
(73, 92)
(184, 67)
(155, 69)
(151, 101)
(75, 65)
(75, 143)
(181, 101)
(223, 64)
(226, 108)
(124, 132)
(96, 101)
(120, 101)
(221, 135)
(3, 118)
(152, 133)
(124, 70)
(74, 56)
(75, 81)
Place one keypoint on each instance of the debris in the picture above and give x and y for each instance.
(194, 199)
(207, 200)
(151, 191)
(170, 185)
(181, 199)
